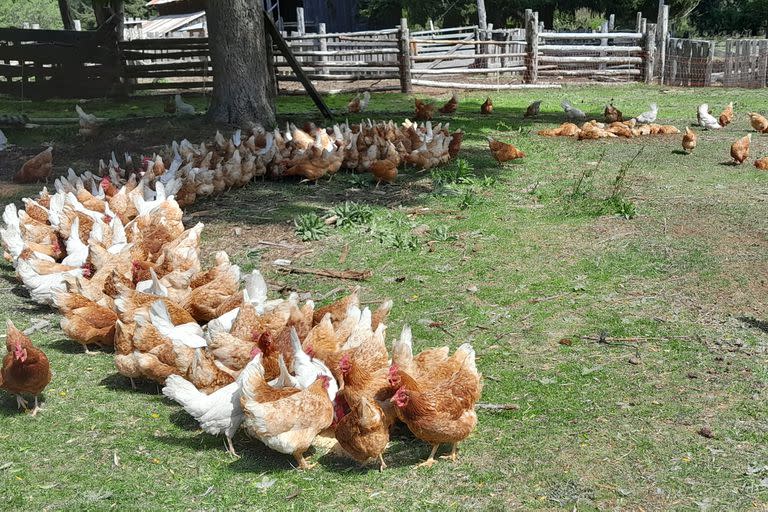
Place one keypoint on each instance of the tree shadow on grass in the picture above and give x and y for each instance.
(9, 407)
(117, 382)
(68, 346)
(754, 323)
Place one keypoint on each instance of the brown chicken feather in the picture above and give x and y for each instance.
(25, 370)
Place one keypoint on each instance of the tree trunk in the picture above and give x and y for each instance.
(241, 81)
(66, 15)
(101, 12)
(118, 8)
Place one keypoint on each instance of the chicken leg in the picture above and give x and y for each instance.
(303, 464)
(431, 460)
(36, 408)
(230, 447)
(21, 403)
(383, 465)
(451, 456)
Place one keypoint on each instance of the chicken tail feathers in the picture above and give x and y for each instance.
(183, 392)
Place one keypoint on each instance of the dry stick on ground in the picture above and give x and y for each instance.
(354, 275)
(278, 244)
(344, 254)
(626, 342)
(496, 407)
(332, 292)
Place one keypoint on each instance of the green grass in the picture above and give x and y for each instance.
(593, 430)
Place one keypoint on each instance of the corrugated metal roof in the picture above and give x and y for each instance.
(171, 22)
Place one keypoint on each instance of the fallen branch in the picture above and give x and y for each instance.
(536, 300)
(42, 324)
(496, 407)
(278, 244)
(636, 339)
(344, 254)
(354, 275)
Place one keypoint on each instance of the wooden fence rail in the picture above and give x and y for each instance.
(40, 63)
(46, 63)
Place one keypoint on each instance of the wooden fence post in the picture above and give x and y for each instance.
(728, 68)
(663, 37)
(762, 65)
(323, 44)
(603, 42)
(650, 52)
(531, 46)
(301, 26)
(611, 22)
(489, 47)
(659, 18)
(644, 26)
(404, 42)
(710, 61)
(639, 22)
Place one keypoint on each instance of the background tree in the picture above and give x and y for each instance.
(693, 17)
(66, 15)
(242, 91)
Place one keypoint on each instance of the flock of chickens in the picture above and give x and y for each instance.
(110, 252)
(308, 152)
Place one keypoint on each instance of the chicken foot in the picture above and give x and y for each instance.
(36, 409)
(431, 460)
(303, 464)
(230, 447)
(21, 403)
(451, 456)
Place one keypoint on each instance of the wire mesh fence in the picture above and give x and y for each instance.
(746, 63)
(689, 63)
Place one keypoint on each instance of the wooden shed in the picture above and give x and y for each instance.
(338, 15)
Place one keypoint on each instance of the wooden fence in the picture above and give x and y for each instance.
(46, 63)
(161, 64)
(689, 62)
(342, 56)
(39, 63)
(746, 63)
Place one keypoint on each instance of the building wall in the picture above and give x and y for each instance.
(338, 15)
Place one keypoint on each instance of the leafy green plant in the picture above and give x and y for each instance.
(352, 213)
(583, 18)
(310, 226)
(441, 234)
(623, 207)
(359, 180)
(394, 232)
(460, 173)
(469, 198)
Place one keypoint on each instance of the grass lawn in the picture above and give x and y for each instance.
(527, 264)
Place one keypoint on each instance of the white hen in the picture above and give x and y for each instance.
(182, 107)
(217, 413)
(306, 369)
(707, 120)
(572, 114)
(648, 117)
